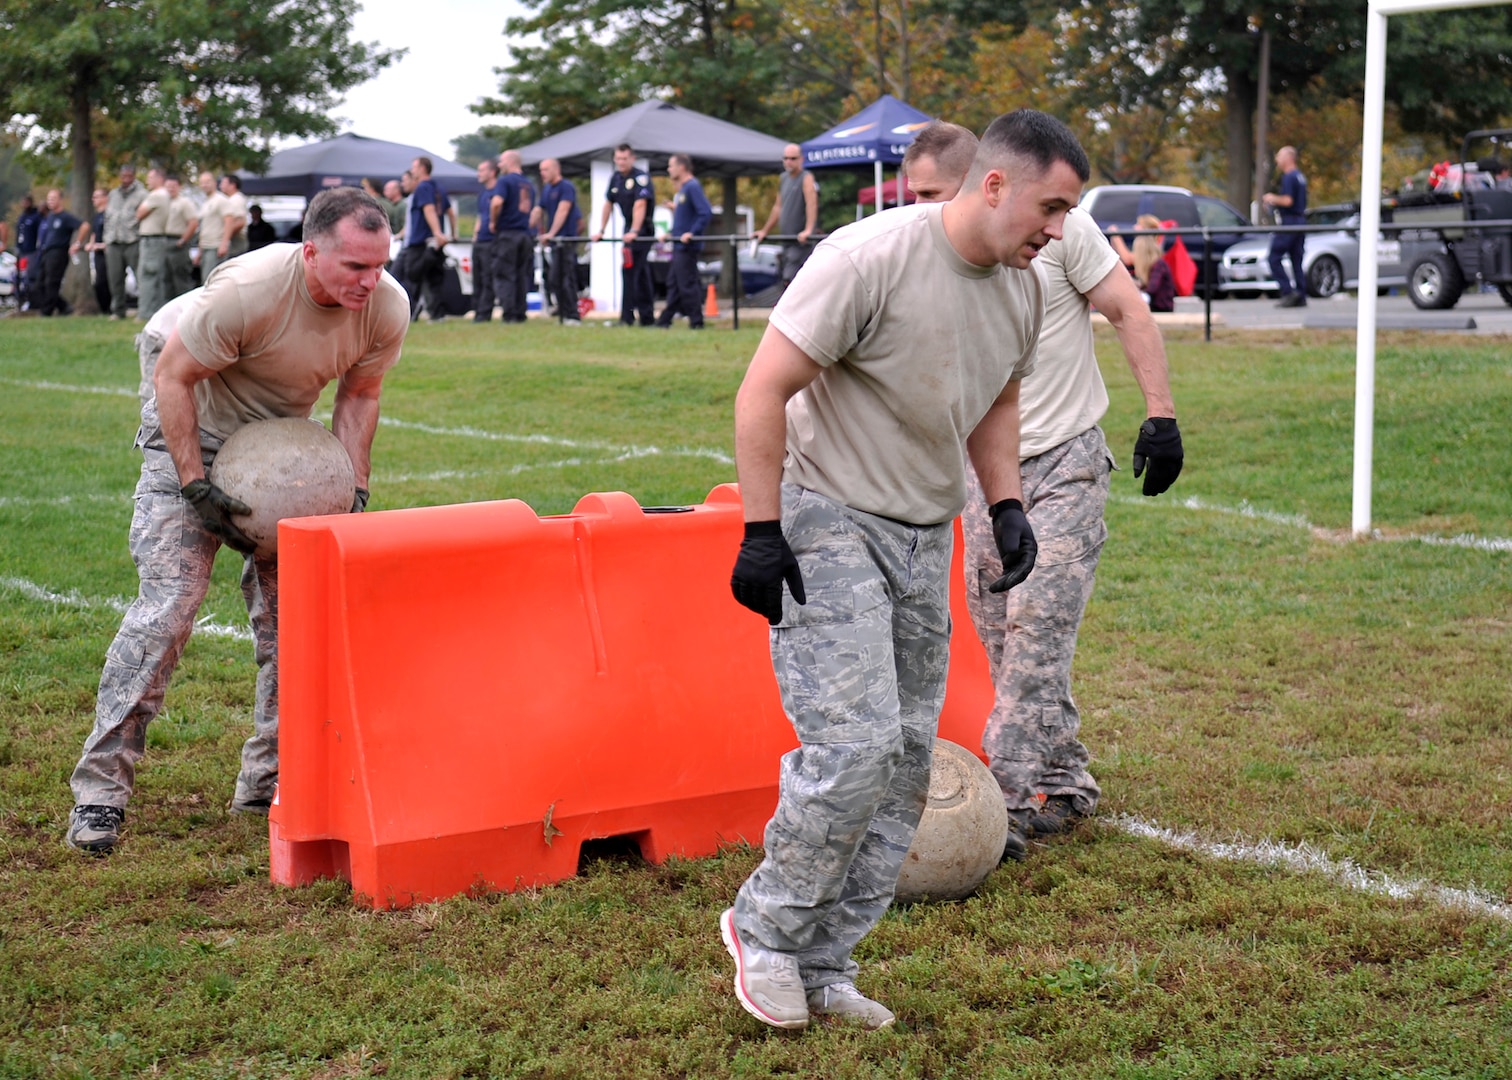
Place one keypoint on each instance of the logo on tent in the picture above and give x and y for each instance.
(909, 129)
(848, 132)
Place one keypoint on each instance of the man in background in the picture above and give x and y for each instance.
(425, 263)
(59, 237)
(514, 254)
(96, 248)
(795, 213)
(558, 217)
(483, 254)
(691, 214)
(152, 264)
(1290, 205)
(183, 220)
(122, 237)
(630, 191)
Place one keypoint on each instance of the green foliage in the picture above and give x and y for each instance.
(475, 148)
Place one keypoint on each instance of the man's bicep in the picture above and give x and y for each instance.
(178, 366)
(1116, 295)
(780, 366)
(357, 382)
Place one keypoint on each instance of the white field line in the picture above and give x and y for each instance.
(1305, 859)
(62, 500)
(73, 598)
(513, 470)
(71, 388)
(1247, 510)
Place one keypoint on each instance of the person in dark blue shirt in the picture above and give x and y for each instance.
(691, 214)
(482, 248)
(425, 259)
(514, 258)
(1290, 204)
(96, 248)
(630, 190)
(59, 236)
(27, 226)
(557, 217)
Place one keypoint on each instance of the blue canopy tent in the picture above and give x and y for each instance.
(877, 135)
(310, 169)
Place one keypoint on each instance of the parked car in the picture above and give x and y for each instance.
(7, 274)
(1330, 261)
(1122, 205)
(758, 269)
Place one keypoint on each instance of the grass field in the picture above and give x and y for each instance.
(1338, 714)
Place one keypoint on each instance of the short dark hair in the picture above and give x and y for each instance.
(174, 177)
(334, 205)
(493, 166)
(235, 180)
(425, 163)
(625, 147)
(950, 146)
(682, 159)
(1030, 140)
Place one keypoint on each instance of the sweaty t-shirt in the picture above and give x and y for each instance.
(1065, 396)
(273, 348)
(916, 344)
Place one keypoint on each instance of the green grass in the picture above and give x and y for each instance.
(1240, 677)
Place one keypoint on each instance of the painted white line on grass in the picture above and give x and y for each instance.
(1303, 858)
(1247, 510)
(74, 598)
(62, 500)
(513, 470)
(72, 388)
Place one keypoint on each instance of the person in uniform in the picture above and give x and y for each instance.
(795, 213)
(425, 262)
(1290, 205)
(897, 354)
(183, 220)
(122, 237)
(514, 254)
(233, 241)
(558, 217)
(1031, 737)
(59, 238)
(630, 190)
(152, 263)
(97, 247)
(482, 246)
(691, 214)
(261, 340)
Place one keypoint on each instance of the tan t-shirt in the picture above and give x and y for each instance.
(916, 345)
(212, 220)
(273, 348)
(1065, 396)
(181, 211)
(236, 206)
(156, 222)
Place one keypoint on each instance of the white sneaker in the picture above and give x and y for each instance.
(766, 982)
(842, 1001)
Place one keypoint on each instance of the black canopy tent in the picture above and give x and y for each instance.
(310, 169)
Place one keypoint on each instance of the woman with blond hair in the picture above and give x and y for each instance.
(1147, 263)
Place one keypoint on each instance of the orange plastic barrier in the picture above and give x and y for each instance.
(469, 693)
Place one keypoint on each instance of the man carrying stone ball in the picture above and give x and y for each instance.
(267, 333)
(897, 354)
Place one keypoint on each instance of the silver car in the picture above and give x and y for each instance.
(1330, 262)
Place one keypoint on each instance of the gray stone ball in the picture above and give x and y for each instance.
(961, 835)
(283, 468)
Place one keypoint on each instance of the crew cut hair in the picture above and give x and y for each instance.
(1029, 141)
(625, 147)
(684, 160)
(950, 146)
(334, 205)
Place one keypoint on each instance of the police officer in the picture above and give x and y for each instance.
(630, 190)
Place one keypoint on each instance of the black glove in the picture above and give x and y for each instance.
(359, 502)
(1015, 543)
(1159, 446)
(215, 508)
(765, 562)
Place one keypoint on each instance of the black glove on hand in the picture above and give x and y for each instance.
(1159, 447)
(1015, 543)
(359, 503)
(215, 508)
(765, 562)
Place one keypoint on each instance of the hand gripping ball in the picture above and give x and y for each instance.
(283, 469)
(962, 833)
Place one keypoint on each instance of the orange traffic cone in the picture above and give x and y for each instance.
(711, 304)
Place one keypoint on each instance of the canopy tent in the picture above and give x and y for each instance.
(889, 194)
(657, 130)
(345, 160)
(877, 135)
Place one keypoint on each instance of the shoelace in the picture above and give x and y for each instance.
(100, 817)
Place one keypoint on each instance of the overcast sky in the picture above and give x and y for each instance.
(454, 45)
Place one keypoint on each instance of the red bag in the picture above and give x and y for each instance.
(1183, 268)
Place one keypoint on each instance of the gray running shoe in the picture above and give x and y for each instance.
(842, 1001)
(95, 829)
(766, 982)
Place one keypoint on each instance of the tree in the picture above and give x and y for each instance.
(477, 147)
(212, 81)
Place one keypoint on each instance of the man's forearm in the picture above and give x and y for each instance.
(179, 420)
(353, 421)
(994, 451)
(1145, 350)
(760, 444)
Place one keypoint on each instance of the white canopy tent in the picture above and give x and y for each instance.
(1370, 224)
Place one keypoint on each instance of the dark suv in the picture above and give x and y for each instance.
(1122, 205)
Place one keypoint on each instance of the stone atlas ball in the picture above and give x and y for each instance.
(283, 469)
(962, 833)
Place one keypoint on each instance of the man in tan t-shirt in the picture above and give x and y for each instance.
(183, 219)
(152, 262)
(212, 228)
(234, 240)
(898, 354)
(1031, 736)
(262, 340)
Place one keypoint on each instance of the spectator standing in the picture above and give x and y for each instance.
(514, 255)
(483, 253)
(212, 225)
(261, 340)
(152, 266)
(1150, 268)
(234, 240)
(393, 202)
(425, 263)
(1290, 204)
(59, 237)
(183, 220)
(630, 190)
(28, 270)
(96, 248)
(259, 233)
(558, 218)
(122, 237)
(795, 213)
(691, 214)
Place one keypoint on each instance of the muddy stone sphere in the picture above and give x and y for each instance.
(962, 832)
(283, 469)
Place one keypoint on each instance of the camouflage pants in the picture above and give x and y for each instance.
(1030, 633)
(862, 672)
(173, 554)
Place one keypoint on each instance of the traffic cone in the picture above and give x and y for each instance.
(711, 304)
